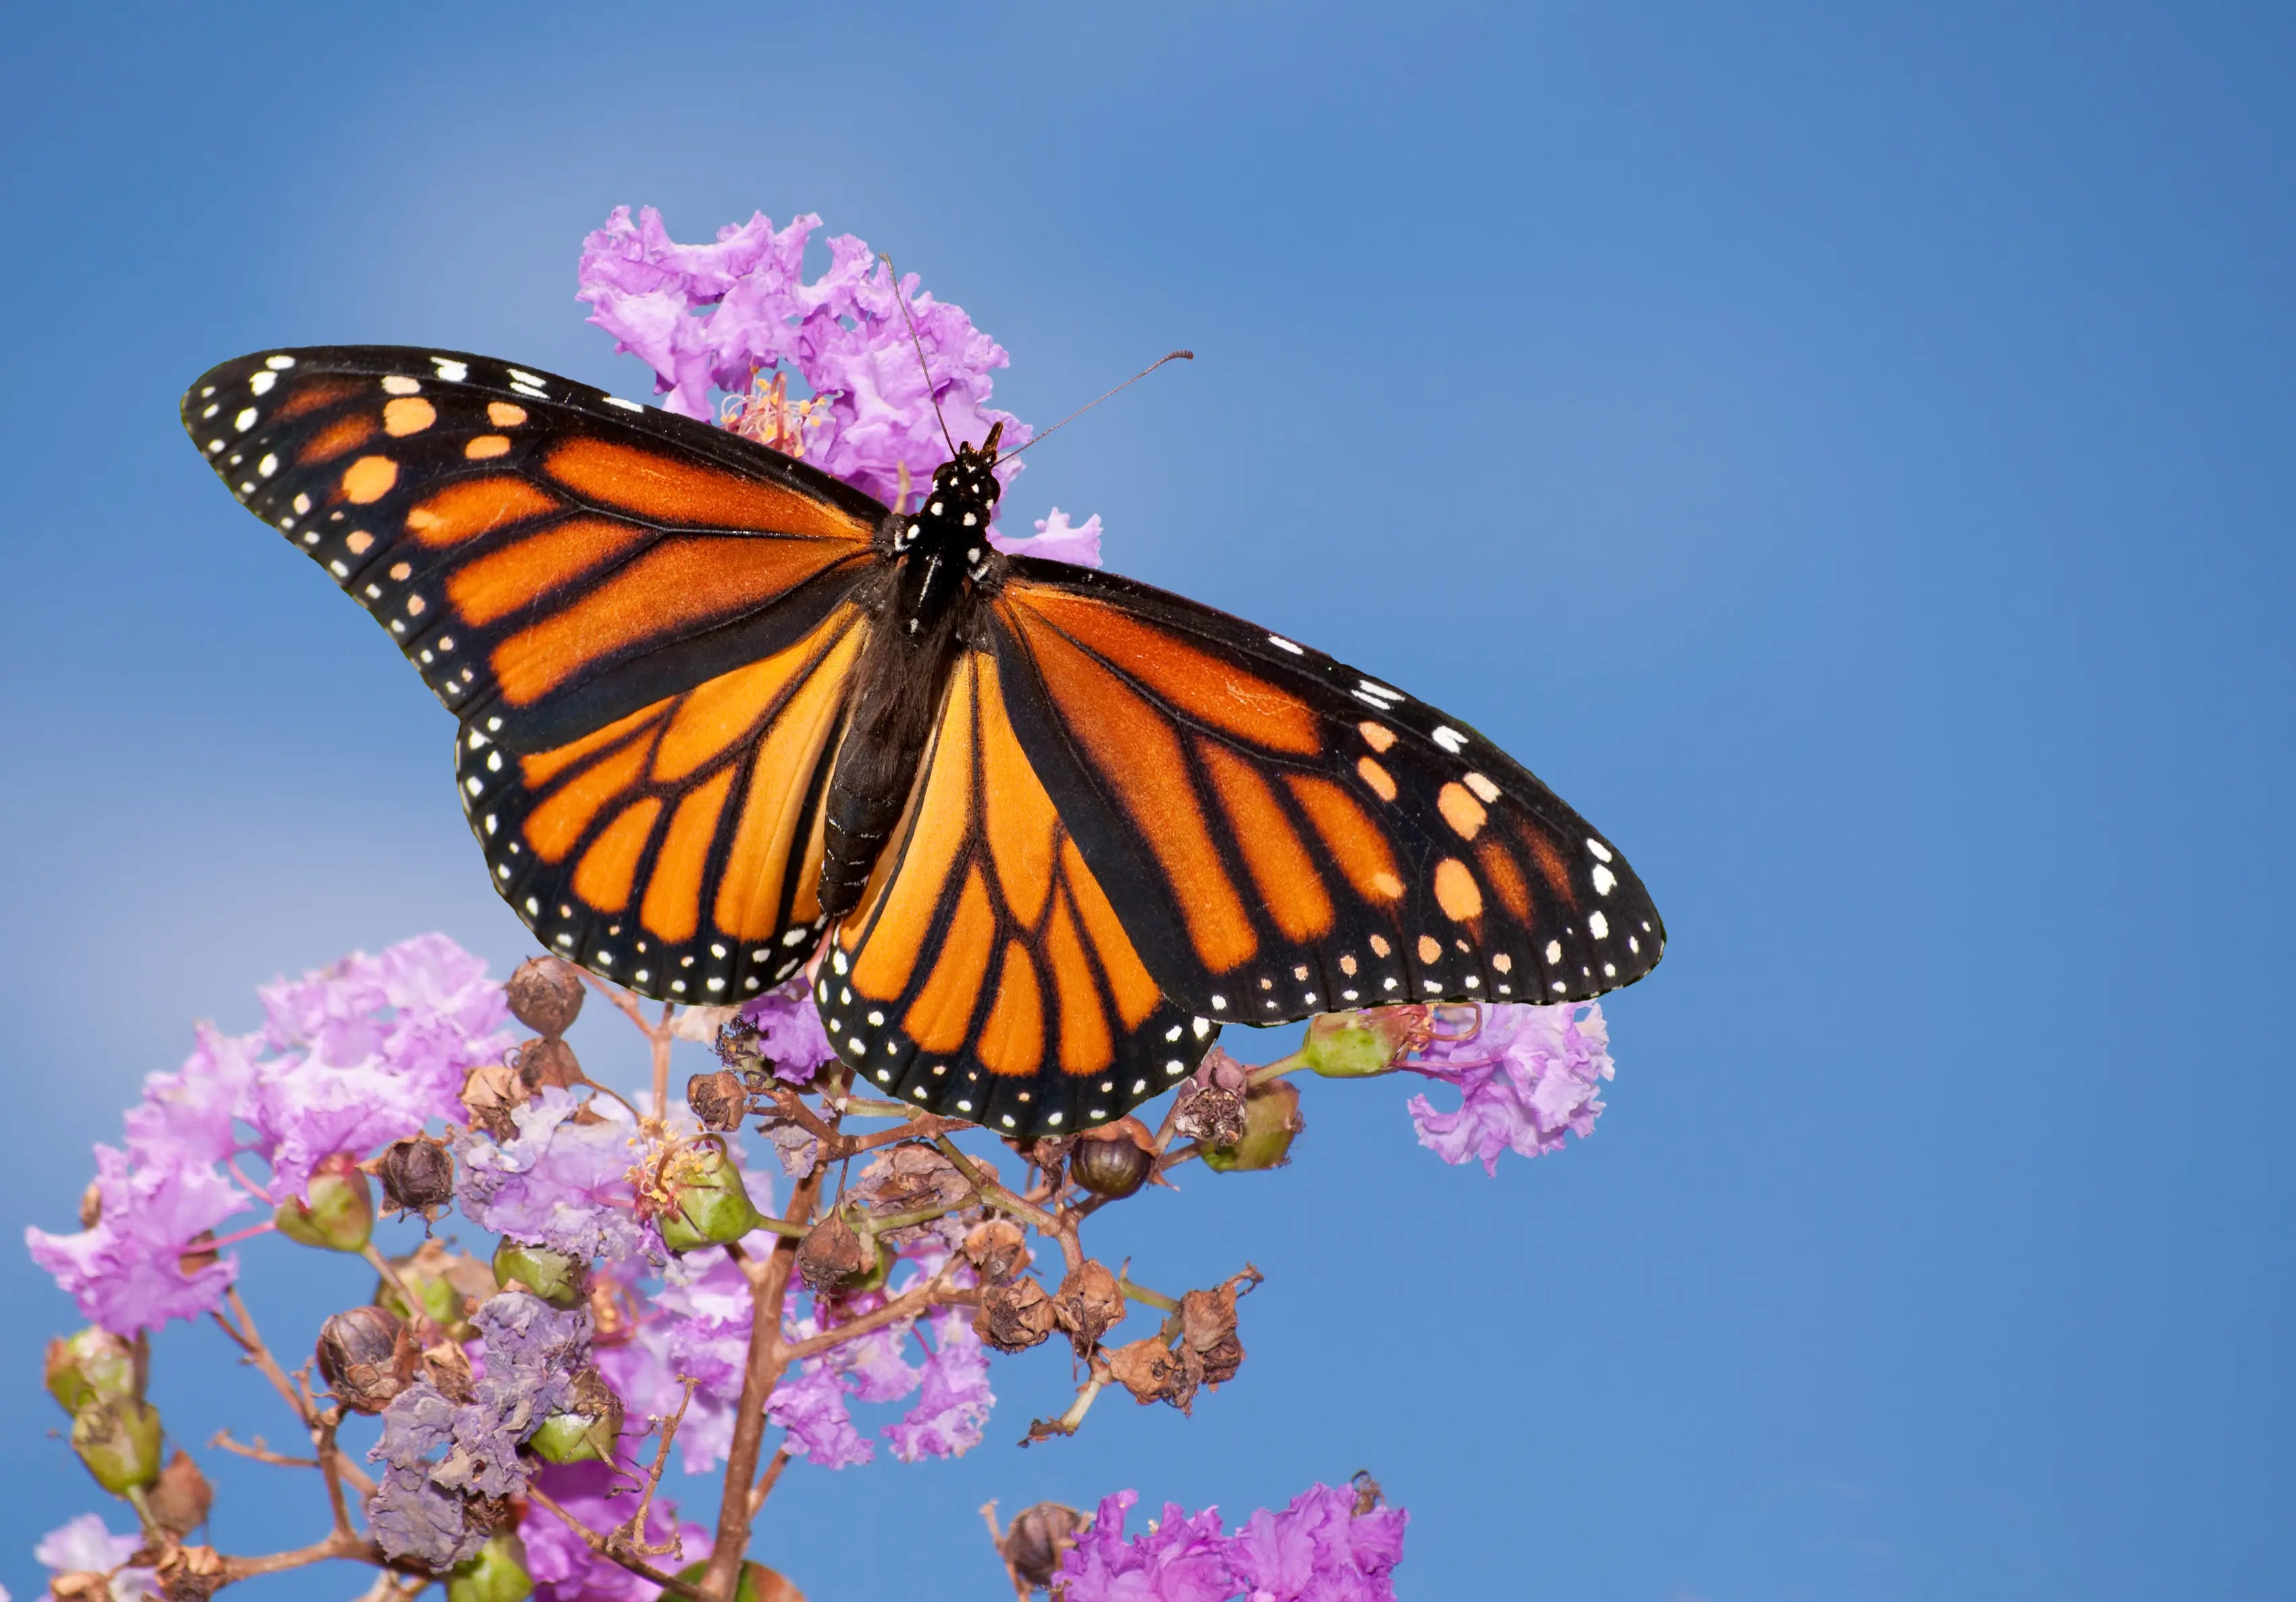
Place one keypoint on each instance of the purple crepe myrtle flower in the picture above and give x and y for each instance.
(1317, 1549)
(86, 1545)
(844, 333)
(947, 1419)
(350, 1057)
(563, 1566)
(440, 1455)
(1527, 1078)
(790, 1033)
(812, 1407)
(128, 1272)
(697, 1327)
(1056, 541)
(558, 1183)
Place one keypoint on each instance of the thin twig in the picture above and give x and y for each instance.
(632, 1533)
(599, 1545)
(766, 1481)
(906, 1305)
(249, 1340)
(351, 1547)
(259, 1452)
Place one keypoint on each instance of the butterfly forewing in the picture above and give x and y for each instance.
(644, 624)
(986, 974)
(1286, 835)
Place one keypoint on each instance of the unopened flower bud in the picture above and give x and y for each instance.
(998, 1248)
(91, 1205)
(1359, 1044)
(831, 1255)
(708, 1203)
(491, 1093)
(719, 1100)
(1033, 1545)
(365, 1355)
(119, 1442)
(94, 1366)
(757, 1584)
(181, 1500)
(418, 1175)
(338, 1216)
(545, 994)
(587, 1430)
(445, 1283)
(1271, 1120)
(1114, 1159)
(496, 1573)
(547, 1061)
(556, 1278)
(1088, 1304)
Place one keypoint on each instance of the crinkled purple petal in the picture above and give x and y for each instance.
(789, 1032)
(127, 1273)
(812, 1409)
(557, 1183)
(1181, 1560)
(411, 1518)
(947, 1421)
(1317, 1550)
(1530, 1077)
(85, 1545)
(1055, 540)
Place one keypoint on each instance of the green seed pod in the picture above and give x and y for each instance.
(588, 1430)
(94, 1366)
(709, 1206)
(1357, 1045)
(496, 1573)
(120, 1442)
(552, 1276)
(339, 1216)
(1271, 1120)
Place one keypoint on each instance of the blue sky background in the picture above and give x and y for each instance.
(1847, 452)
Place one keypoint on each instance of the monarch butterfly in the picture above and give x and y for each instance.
(1055, 826)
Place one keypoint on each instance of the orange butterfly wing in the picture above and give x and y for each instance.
(986, 974)
(1283, 836)
(644, 623)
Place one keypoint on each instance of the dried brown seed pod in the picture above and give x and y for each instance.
(448, 1367)
(545, 994)
(1207, 1328)
(1088, 1304)
(1153, 1371)
(190, 1574)
(1037, 1537)
(1210, 1114)
(364, 1354)
(545, 1061)
(1014, 1316)
(181, 1500)
(719, 1100)
(417, 1175)
(491, 1093)
(832, 1253)
(998, 1248)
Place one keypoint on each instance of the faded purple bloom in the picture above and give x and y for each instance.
(566, 1570)
(441, 1456)
(1319, 1550)
(697, 1327)
(790, 1033)
(947, 1419)
(1182, 1559)
(557, 1183)
(1056, 541)
(128, 1272)
(843, 334)
(812, 1409)
(86, 1546)
(1530, 1075)
(1316, 1550)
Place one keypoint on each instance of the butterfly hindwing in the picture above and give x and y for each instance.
(1286, 836)
(539, 549)
(986, 974)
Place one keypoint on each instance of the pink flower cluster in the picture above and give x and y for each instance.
(349, 1058)
(1529, 1077)
(1317, 1549)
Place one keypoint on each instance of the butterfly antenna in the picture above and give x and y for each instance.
(902, 300)
(1176, 356)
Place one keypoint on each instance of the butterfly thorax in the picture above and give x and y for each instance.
(938, 557)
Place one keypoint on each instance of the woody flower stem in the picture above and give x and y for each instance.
(659, 1035)
(768, 1357)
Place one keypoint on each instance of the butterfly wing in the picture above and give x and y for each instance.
(643, 623)
(986, 974)
(1284, 835)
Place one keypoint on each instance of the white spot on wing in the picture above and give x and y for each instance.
(1281, 643)
(1450, 739)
